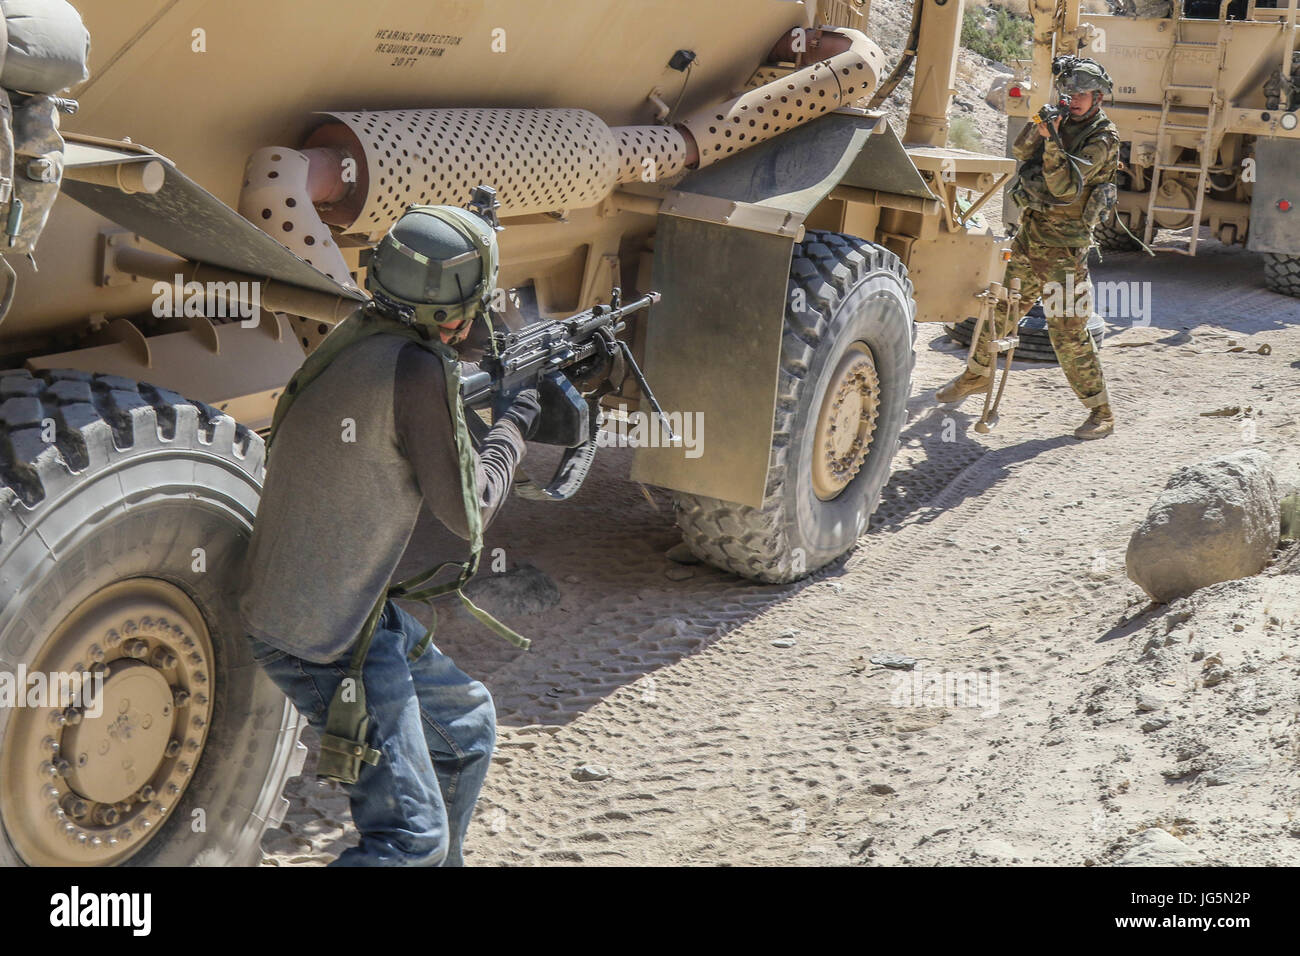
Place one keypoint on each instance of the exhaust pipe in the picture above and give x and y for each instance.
(359, 171)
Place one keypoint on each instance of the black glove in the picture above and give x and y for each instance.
(525, 411)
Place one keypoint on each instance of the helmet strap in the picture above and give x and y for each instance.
(1092, 110)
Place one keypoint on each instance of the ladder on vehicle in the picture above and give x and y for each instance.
(1165, 131)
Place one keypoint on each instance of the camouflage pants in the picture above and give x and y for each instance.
(1060, 277)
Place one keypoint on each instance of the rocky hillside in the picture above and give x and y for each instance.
(985, 127)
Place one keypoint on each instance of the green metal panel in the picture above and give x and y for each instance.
(713, 345)
(1277, 180)
(796, 170)
(186, 219)
(1010, 211)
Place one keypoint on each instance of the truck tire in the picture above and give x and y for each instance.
(846, 360)
(1111, 237)
(1035, 341)
(124, 514)
(1282, 273)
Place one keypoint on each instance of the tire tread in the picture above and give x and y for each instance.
(752, 542)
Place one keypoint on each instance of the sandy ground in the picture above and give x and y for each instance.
(1080, 715)
(994, 554)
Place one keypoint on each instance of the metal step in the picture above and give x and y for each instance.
(1186, 128)
(1188, 86)
(1182, 167)
(1195, 43)
(1191, 209)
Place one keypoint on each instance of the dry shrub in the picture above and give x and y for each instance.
(963, 134)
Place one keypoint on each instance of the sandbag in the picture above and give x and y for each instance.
(46, 48)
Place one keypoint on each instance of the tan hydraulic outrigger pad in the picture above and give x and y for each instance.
(186, 219)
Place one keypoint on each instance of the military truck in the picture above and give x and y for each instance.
(226, 174)
(1206, 103)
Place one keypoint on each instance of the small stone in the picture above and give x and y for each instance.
(1234, 771)
(682, 554)
(898, 662)
(1215, 676)
(1146, 703)
(589, 772)
(881, 789)
(1238, 628)
(784, 642)
(676, 572)
(1152, 724)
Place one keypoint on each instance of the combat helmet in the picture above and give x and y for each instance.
(1075, 74)
(437, 266)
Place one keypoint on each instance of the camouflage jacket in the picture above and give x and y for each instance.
(1095, 143)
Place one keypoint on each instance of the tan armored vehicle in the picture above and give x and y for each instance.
(1206, 98)
(719, 153)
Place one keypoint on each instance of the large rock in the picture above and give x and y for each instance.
(996, 96)
(1215, 521)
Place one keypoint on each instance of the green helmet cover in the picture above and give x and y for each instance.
(1082, 75)
(440, 262)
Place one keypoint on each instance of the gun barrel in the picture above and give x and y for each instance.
(555, 344)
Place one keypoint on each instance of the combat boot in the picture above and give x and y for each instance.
(1100, 423)
(967, 383)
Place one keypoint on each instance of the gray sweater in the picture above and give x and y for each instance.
(355, 456)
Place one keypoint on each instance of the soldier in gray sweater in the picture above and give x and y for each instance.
(374, 435)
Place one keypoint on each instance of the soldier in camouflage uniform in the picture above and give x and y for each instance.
(1050, 252)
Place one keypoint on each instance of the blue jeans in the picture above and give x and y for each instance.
(435, 728)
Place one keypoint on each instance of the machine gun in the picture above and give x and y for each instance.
(572, 362)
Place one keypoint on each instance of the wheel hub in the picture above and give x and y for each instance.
(846, 422)
(1175, 193)
(87, 778)
(128, 737)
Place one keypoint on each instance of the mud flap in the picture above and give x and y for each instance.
(722, 262)
(1275, 228)
(713, 348)
(1010, 211)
